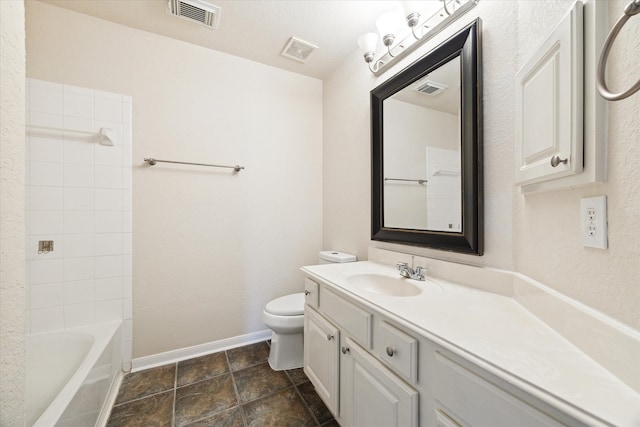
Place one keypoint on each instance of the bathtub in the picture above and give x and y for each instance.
(72, 375)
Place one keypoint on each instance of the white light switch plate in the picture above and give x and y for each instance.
(593, 218)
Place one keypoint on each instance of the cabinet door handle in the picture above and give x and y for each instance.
(391, 351)
(345, 350)
(329, 337)
(307, 292)
(555, 161)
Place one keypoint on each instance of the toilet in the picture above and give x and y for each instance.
(285, 317)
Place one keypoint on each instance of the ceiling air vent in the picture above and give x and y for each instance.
(431, 88)
(196, 10)
(298, 50)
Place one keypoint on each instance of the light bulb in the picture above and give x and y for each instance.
(411, 6)
(388, 23)
(368, 43)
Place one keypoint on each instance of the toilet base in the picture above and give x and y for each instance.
(287, 351)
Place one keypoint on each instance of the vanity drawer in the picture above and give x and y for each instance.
(311, 292)
(398, 349)
(465, 398)
(348, 316)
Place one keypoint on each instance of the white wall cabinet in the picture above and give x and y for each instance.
(549, 105)
(372, 370)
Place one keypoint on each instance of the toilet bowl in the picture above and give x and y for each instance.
(285, 317)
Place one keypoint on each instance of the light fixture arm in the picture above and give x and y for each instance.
(376, 67)
(387, 40)
(412, 21)
(368, 58)
(446, 9)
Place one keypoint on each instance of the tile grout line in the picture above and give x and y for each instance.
(142, 397)
(175, 387)
(235, 389)
(306, 405)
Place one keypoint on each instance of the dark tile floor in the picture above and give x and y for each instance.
(233, 388)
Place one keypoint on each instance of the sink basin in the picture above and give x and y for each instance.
(384, 284)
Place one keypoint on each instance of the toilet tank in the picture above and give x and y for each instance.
(329, 257)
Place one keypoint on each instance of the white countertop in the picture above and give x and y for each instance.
(499, 332)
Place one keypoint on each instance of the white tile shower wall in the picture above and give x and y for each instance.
(79, 196)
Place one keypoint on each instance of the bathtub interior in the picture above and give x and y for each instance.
(79, 393)
(51, 363)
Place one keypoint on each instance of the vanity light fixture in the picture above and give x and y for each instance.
(389, 23)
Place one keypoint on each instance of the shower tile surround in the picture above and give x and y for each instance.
(235, 387)
(78, 196)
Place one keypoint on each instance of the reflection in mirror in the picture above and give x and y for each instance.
(426, 149)
(421, 153)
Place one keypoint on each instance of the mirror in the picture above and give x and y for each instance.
(427, 150)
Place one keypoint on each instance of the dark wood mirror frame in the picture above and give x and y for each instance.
(467, 45)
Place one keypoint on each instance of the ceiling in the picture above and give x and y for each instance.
(257, 30)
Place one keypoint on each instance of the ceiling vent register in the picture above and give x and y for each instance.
(431, 88)
(298, 50)
(196, 10)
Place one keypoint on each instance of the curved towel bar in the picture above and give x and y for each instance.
(631, 9)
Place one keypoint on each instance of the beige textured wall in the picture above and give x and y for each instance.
(547, 240)
(537, 235)
(12, 213)
(210, 247)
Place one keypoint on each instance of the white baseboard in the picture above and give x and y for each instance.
(173, 356)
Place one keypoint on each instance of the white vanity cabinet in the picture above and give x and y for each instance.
(371, 368)
(360, 389)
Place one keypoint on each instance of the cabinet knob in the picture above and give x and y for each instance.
(391, 351)
(345, 350)
(555, 161)
(329, 337)
(307, 292)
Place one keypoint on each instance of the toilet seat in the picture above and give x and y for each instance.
(288, 305)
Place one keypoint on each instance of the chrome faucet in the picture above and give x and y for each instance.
(409, 273)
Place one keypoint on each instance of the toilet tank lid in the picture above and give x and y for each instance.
(335, 256)
(288, 305)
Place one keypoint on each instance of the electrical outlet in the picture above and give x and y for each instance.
(593, 218)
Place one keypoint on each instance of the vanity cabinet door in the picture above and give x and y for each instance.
(372, 394)
(321, 357)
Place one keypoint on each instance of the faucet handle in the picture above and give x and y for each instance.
(401, 265)
(420, 271)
